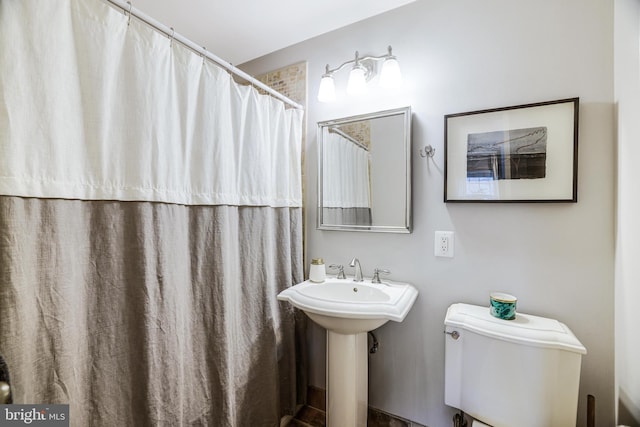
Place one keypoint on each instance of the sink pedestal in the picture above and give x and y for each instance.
(347, 379)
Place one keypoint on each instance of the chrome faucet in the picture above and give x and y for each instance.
(356, 263)
(376, 275)
(340, 269)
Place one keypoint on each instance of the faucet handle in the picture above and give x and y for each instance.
(340, 269)
(376, 274)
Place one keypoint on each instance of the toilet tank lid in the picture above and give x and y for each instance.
(524, 329)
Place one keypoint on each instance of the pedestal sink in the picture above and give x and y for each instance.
(348, 310)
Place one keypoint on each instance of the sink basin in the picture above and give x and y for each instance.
(347, 307)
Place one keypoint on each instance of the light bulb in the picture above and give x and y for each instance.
(327, 91)
(390, 76)
(357, 84)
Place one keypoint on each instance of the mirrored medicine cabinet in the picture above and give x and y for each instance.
(364, 172)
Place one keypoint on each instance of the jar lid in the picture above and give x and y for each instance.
(317, 261)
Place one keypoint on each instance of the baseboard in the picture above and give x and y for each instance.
(316, 398)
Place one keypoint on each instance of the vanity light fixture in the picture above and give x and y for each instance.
(361, 72)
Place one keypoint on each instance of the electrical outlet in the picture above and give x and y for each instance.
(443, 244)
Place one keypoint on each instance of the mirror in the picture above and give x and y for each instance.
(364, 174)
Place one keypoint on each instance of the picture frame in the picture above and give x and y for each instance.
(523, 153)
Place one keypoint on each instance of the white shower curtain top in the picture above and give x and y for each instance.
(96, 107)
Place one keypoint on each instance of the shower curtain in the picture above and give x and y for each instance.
(150, 212)
(346, 181)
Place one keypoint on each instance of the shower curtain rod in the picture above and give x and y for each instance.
(349, 138)
(128, 9)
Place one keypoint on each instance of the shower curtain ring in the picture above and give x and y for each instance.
(204, 54)
(173, 32)
(130, 7)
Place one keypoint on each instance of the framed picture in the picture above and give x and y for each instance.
(525, 153)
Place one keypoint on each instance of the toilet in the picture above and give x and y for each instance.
(504, 373)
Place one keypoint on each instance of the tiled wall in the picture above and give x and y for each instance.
(360, 131)
(291, 81)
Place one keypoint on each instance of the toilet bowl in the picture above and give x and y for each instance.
(523, 372)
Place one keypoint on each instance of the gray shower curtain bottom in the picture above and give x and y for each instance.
(150, 314)
(346, 216)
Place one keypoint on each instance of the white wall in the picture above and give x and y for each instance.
(627, 95)
(466, 55)
(387, 203)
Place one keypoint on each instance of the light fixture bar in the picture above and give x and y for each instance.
(388, 55)
(361, 71)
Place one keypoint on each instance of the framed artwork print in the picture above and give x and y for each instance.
(524, 153)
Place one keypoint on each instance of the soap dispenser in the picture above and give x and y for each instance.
(317, 272)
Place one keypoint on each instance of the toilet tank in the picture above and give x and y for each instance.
(523, 372)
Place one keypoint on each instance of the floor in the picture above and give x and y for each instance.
(309, 416)
(313, 414)
(312, 417)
